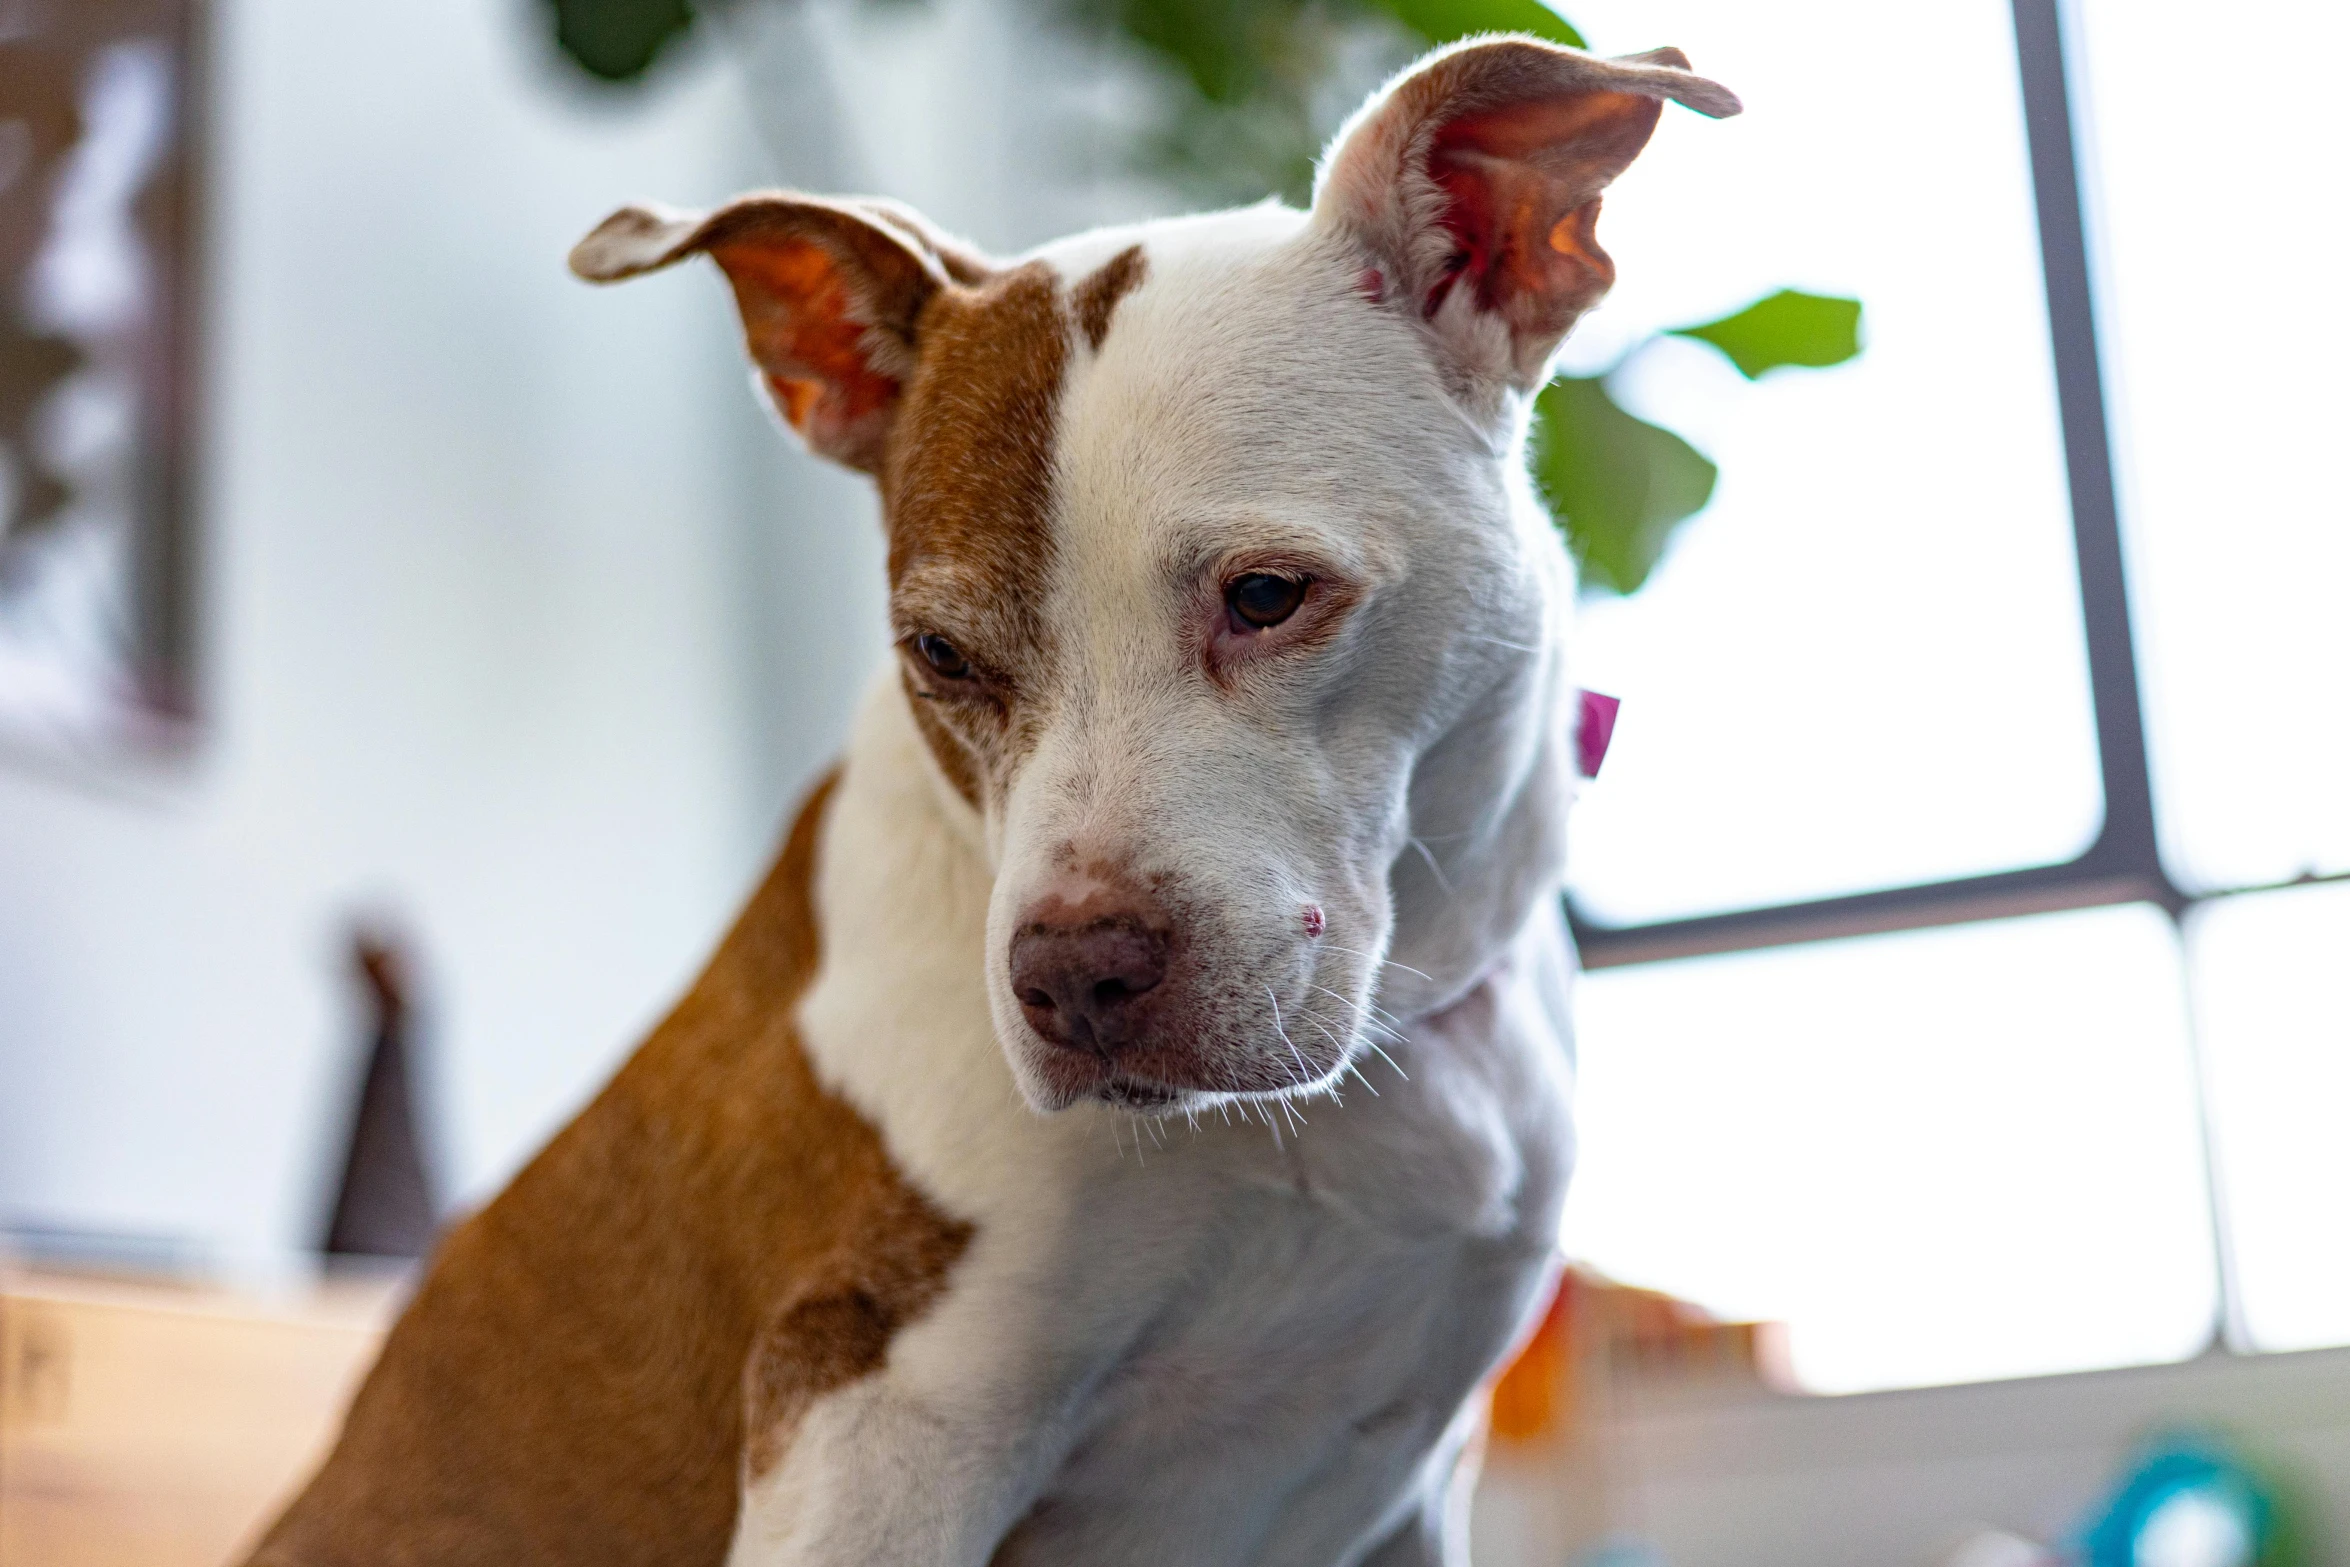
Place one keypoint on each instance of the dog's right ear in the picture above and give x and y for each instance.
(830, 293)
(1471, 185)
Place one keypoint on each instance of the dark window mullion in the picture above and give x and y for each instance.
(2124, 864)
(2128, 841)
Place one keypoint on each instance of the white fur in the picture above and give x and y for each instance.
(1245, 1340)
(1249, 1332)
(1248, 1327)
(1411, 779)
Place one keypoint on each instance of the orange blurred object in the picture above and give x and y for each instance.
(1595, 1326)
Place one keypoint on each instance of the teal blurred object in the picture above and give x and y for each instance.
(2191, 1502)
(1622, 1553)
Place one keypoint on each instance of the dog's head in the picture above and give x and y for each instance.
(1221, 598)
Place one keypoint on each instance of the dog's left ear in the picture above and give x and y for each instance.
(1471, 185)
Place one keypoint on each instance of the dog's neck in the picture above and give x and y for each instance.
(1488, 812)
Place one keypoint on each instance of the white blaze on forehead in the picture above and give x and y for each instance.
(1237, 397)
(1248, 401)
(1245, 397)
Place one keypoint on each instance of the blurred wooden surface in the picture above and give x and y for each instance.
(146, 1425)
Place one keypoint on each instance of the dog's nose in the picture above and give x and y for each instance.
(1080, 984)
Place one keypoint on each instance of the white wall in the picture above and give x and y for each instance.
(518, 623)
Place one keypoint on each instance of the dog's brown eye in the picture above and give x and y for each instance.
(942, 657)
(1261, 599)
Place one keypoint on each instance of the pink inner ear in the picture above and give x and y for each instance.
(805, 337)
(1522, 185)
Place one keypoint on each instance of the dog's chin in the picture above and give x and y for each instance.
(1053, 1080)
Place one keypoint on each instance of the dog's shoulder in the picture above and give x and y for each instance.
(589, 1362)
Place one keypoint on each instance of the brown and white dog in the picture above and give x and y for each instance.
(991, 1197)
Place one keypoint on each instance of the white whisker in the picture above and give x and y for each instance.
(1303, 1075)
(1357, 952)
(1434, 869)
(1348, 1064)
(1373, 1021)
(1373, 1046)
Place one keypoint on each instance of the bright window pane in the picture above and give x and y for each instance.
(2272, 997)
(1938, 1157)
(2225, 337)
(1863, 666)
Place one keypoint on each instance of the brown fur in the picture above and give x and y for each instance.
(595, 1358)
(968, 491)
(959, 760)
(895, 349)
(1097, 296)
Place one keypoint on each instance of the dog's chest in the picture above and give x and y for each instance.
(1332, 1310)
(1256, 1346)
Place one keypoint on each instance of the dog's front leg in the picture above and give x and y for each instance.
(883, 1472)
(931, 1457)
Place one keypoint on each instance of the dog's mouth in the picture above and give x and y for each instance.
(1126, 1093)
(1169, 1088)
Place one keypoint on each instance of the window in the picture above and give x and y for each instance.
(2225, 341)
(1938, 1008)
(1938, 1155)
(2273, 1010)
(1842, 678)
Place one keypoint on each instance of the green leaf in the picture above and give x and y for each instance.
(1442, 21)
(1620, 485)
(1232, 51)
(1786, 328)
(618, 40)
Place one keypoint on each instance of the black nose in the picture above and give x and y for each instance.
(1080, 985)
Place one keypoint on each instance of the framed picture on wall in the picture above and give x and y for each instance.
(98, 203)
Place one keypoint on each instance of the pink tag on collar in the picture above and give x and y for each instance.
(1595, 726)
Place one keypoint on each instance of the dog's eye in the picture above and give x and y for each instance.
(944, 659)
(1261, 599)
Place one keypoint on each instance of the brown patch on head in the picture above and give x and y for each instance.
(1097, 297)
(896, 349)
(595, 1359)
(968, 492)
(969, 476)
(957, 761)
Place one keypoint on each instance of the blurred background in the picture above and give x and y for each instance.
(408, 658)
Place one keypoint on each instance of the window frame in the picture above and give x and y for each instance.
(2124, 863)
